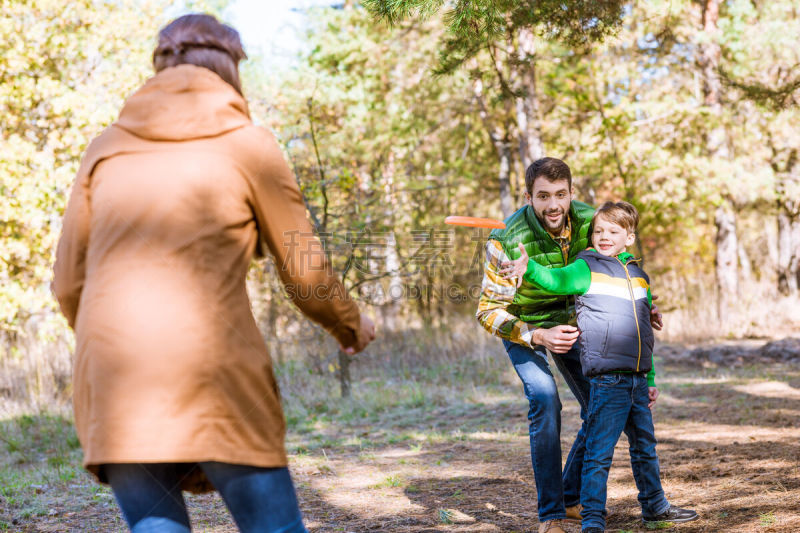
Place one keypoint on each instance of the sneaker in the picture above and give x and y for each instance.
(552, 526)
(673, 514)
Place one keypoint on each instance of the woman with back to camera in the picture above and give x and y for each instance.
(173, 385)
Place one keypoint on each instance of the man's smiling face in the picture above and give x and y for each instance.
(550, 202)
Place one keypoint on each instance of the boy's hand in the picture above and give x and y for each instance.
(655, 316)
(558, 339)
(652, 393)
(516, 268)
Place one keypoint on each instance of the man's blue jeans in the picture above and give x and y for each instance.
(260, 499)
(619, 402)
(553, 489)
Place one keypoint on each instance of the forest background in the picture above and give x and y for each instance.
(689, 110)
(399, 113)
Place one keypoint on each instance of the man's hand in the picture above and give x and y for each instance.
(652, 393)
(364, 337)
(655, 316)
(515, 268)
(558, 339)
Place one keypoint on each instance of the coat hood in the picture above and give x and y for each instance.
(183, 103)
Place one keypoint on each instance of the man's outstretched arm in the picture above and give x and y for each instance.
(497, 293)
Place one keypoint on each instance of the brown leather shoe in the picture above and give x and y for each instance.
(552, 526)
(574, 513)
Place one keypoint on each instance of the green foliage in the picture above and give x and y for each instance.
(395, 11)
(377, 145)
(759, 56)
(473, 26)
(384, 149)
(659, 525)
(55, 57)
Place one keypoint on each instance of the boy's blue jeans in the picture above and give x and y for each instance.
(619, 402)
(260, 499)
(553, 489)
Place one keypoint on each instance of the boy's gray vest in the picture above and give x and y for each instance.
(614, 317)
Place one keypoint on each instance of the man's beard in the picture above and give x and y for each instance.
(551, 226)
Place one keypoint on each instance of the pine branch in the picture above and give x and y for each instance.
(778, 98)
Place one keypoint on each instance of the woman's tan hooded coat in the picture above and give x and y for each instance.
(170, 205)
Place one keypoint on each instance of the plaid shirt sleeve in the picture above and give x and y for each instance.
(497, 293)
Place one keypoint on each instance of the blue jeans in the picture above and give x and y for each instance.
(619, 402)
(260, 499)
(553, 489)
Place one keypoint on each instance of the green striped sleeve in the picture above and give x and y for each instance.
(571, 279)
(651, 376)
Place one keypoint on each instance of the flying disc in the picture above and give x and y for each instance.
(475, 222)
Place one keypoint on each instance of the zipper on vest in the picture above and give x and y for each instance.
(635, 316)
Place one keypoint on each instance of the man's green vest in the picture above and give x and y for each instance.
(531, 303)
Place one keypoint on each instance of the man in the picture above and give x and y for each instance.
(554, 228)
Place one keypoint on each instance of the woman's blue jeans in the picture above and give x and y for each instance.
(619, 402)
(260, 499)
(554, 490)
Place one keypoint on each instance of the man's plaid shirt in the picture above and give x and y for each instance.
(497, 293)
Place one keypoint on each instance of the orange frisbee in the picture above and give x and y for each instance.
(475, 222)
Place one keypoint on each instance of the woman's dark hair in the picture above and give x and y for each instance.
(199, 39)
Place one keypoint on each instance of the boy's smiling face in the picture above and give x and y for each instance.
(610, 239)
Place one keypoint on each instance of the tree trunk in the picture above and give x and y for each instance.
(745, 266)
(504, 178)
(531, 146)
(391, 259)
(502, 145)
(794, 266)
(272, 325)
(710, 54)
(344, 374)
(391, 304)
(788, 187)
(788, 253)
(726, 240)
(726, 260)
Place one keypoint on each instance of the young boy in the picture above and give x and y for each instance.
(613, 304)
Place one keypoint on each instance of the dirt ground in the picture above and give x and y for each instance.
(729, 446)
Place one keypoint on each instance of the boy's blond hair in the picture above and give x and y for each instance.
(620, 213)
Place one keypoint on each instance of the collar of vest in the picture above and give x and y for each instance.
(624, 257)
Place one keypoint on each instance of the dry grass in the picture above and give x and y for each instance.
(437, 441)
(691, 313)
(36, 365)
